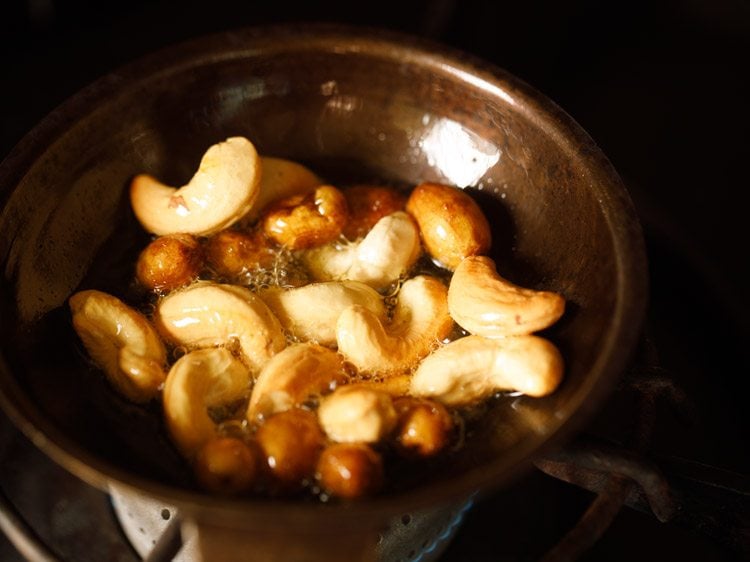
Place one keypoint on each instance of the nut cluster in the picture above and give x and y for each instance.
(310, 348)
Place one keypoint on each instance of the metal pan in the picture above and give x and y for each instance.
(353, 104)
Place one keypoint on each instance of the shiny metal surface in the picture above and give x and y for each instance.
(352, 105)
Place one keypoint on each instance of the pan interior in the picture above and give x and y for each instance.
(376, 113)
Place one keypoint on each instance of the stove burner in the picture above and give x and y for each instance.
(54, 508)
(49, 514)
(154, 531)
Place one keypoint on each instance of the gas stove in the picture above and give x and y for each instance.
(662, 471)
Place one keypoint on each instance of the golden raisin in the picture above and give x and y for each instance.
(291, 442)
(169, 262)
(451, 223)
(367, 205)
(350, 470)
(227, 465)
(424, 426)
(231, 253)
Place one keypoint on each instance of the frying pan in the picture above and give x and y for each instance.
(354, 104)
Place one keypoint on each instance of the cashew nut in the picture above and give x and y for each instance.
(292, 376)
(474, 367)
(122, 342)
(485, 304)
(200, 380)
(395, 385)
(310, 313)
(379, 259)
(450, 221)
(307, 220)
(222, 190)
(279, 179)
(208, 314)
(420, 322)
(355, 414)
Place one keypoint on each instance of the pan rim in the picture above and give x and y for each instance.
(618, 345)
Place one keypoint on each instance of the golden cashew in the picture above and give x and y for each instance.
(280, 179)
(198, 381)
(485, 304)
(310, 313)
(222, 190)
(294, 375)
(208, 315)
(450, 221)
(355, 414)
(307, 220)
(367, 205)
(473, 367)
(122, 342)
(395, 385)
(420, 322)
(379, 259)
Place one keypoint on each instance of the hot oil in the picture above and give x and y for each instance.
(113, 272)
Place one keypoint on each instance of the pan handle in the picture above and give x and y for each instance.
(697, 497)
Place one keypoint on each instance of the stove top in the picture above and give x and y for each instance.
(660, 89)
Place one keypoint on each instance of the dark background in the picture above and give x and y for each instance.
(662, 87)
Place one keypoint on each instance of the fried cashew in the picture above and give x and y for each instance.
(294, 375)
(280, 178)
(310, 313)
(122, 342)
(420, 322)
(379, 259)
(395, 385)
(485, 304)
(209, 314)
(474, 367)
(222, 191)
(308, 220)
(357, 414)
(197, 382)
(451, 223)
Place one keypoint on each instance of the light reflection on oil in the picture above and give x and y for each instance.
(461, 155)
(343, 104)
